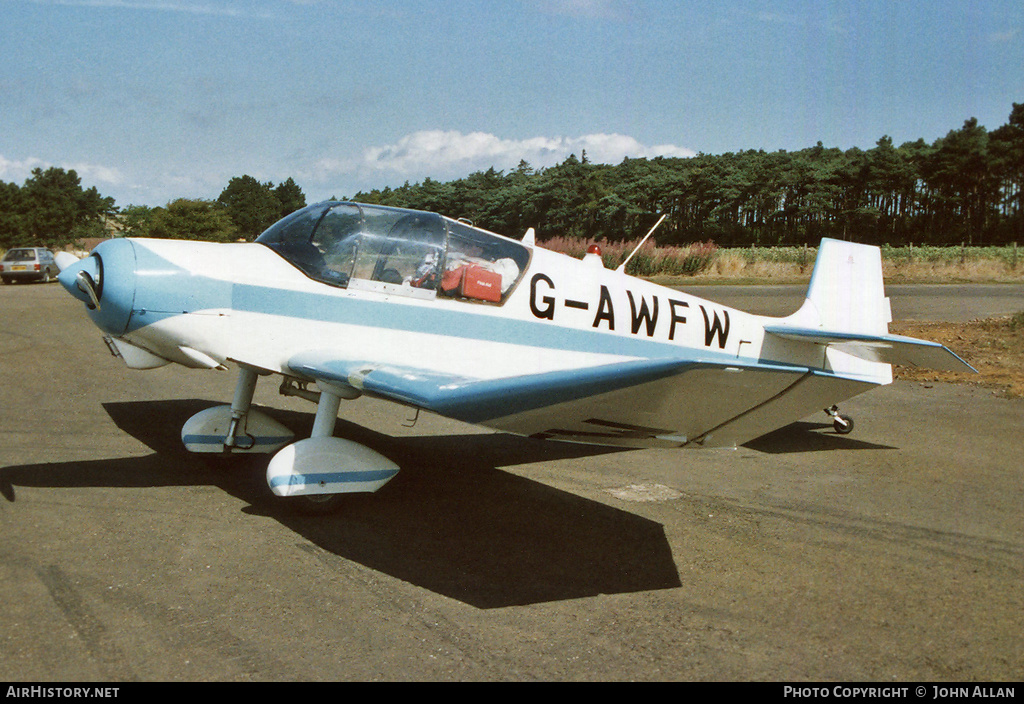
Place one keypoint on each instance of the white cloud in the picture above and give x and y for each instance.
(18, 171)
(437, 154)
(97, 174)
(90, 174)
(443, 154)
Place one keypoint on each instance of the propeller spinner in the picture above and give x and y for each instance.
(82, 278)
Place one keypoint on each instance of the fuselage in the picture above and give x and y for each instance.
(349, 284)
(244, 302)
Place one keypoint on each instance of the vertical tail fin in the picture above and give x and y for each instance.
(847, 313)
(846, 292)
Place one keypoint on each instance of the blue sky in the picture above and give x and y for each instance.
(151, 100)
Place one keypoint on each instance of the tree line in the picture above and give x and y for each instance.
(245, 208)
(964, 188)
(52, 209)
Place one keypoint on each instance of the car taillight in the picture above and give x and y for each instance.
(37, 267)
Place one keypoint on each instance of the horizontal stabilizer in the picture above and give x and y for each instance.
(889, 349)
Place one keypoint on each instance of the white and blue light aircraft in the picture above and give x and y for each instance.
(345, 299)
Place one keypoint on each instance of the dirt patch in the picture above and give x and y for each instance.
(995, 347)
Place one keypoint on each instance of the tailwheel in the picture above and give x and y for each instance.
(843, 424)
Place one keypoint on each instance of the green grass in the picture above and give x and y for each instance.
(688, 260)
(1008, 255)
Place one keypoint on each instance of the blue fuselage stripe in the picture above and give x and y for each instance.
(445, 321)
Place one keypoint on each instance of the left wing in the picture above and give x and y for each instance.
(641, 403)
(479, 400)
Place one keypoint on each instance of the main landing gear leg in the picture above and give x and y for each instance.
(323, 427)
(843, 424)
(326, 413)
(238, 429)
(244, 390)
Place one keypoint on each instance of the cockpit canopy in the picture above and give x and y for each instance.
(404, 252)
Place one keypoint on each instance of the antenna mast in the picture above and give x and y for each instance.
(622, 266)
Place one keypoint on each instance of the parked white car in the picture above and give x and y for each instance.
(28, 264)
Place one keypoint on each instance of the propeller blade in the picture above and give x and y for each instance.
(88, 287)
(64, 259)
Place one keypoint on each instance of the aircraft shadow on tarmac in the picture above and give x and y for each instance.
(450, 522)
(805, 436)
